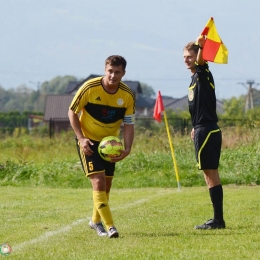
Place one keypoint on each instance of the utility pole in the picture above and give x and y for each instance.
(38, 91)
(249, 97)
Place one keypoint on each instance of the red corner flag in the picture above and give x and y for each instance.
(158, 108)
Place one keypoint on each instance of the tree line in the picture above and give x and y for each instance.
(17, 104)
(24, 98)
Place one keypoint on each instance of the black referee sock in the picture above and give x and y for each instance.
(216, 195)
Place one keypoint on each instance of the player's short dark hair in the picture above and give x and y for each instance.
(116, 60)
(192, 46)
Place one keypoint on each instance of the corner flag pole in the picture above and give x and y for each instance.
(158, 108)
(172, 151)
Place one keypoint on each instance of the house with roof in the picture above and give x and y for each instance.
(34, 121)
(181, 104)
(56, 112)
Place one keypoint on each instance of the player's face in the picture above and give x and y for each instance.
(113, 75)
(189, 59)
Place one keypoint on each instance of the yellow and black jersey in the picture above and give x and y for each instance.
(202, 98)
(102, 113)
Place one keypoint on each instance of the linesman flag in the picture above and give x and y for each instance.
(214, 49)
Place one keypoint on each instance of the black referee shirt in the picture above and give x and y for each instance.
(202, 98)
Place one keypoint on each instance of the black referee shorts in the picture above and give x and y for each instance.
(94, 163)
(207, 142)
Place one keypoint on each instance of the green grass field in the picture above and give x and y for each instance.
(46, 201)
(154, 223)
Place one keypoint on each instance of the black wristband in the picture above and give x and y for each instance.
(200, 47)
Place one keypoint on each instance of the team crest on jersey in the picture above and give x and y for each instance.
(191, 94)
(120, 101)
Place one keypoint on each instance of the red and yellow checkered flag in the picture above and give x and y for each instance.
(214, 49)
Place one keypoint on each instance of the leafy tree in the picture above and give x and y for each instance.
(179, 120)
(234, 112)
(253, 116)
(24, 98)
(256, 97)
(57, 85)
(234, 108)
(148, 91)
(4, 97)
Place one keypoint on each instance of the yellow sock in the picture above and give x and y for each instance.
(95, 215)
(101, 205)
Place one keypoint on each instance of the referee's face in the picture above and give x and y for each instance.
(189, 59)
(113, 75)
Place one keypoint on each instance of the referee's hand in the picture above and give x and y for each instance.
(192, 134)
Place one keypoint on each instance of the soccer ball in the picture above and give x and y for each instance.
(109, 147)
(5, 249)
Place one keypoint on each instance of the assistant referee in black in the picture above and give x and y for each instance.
(206, 134)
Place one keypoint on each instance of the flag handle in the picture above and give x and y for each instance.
(172, 151)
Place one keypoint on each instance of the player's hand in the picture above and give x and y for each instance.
(123, 154)
(85, 145)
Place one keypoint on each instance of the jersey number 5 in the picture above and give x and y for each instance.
(90, 166)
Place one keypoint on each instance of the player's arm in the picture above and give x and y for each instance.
(201, 42)
(75, 124)
(128, 137)
(128, 129)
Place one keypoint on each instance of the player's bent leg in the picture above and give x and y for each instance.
(95, 215)
(98, 181)
(101, 202)
(112, 231)
(96, 223)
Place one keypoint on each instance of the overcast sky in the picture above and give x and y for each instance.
(42, 39)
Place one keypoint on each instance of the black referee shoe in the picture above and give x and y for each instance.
(212, 224)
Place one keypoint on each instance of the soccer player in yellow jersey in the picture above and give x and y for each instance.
(103, 104)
